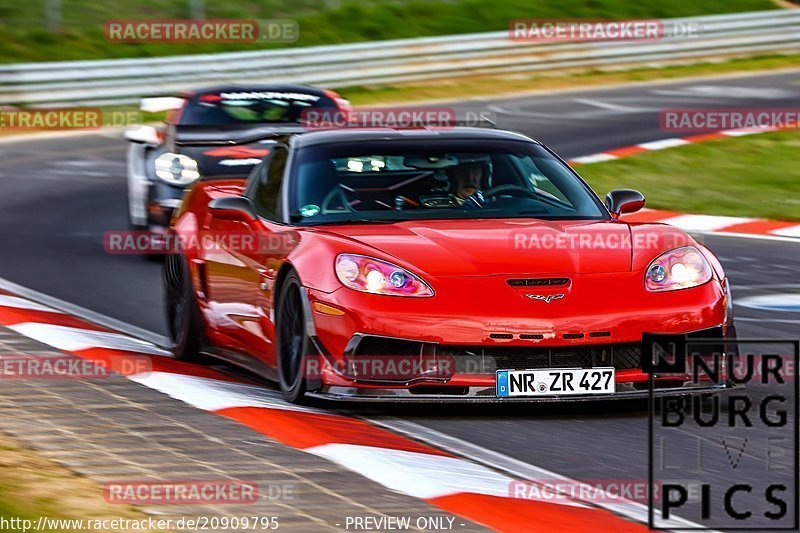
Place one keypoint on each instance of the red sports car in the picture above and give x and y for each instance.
(433, 265)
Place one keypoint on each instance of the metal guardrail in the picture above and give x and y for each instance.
(127, 80)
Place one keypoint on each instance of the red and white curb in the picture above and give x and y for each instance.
(454, 484)
(736, 226)
(739, 226)
(672, 142)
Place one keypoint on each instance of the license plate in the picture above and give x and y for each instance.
(555, 382)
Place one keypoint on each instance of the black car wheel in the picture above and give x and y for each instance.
(293, 342)
(184, 323)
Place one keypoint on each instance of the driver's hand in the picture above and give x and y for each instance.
(474, 201)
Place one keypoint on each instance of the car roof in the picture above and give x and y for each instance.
(274, 87)
(333, 136)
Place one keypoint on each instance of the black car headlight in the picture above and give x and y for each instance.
(176, 169)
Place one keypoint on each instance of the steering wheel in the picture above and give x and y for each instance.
(437, 201)
(331, 196)
(510, 190)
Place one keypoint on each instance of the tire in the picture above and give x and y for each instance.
(293, 342)
(184, 322)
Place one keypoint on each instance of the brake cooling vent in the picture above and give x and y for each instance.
(488, 359)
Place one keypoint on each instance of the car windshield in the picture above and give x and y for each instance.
(251, 107)
(395, 180)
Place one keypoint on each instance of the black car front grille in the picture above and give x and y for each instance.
(372, 357)
(537, 282)
(373, 345)
(488, 359)
(368, 353)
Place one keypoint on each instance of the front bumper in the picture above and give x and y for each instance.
(344, 383)
(478, 336)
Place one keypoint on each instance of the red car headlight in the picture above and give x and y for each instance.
(367, 274)
(677, 269)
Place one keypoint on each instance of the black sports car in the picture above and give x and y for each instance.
(216, 132)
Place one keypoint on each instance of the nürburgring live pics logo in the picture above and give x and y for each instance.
(723, 459)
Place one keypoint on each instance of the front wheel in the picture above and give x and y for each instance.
(293, 342)
(184, 322)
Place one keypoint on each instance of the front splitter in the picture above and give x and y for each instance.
(480, 395)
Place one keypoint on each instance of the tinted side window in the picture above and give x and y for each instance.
(267, 191)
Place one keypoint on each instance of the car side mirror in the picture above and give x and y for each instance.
(233, 208)
(143, 135)
(623, 201)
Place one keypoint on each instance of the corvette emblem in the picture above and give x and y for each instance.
(546, 299)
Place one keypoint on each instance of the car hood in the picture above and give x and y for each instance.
(499, 246)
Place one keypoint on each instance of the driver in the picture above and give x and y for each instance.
(466, 179)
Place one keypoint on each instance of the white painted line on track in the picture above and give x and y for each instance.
(621, 109)
(771, 320)
(776, 238)
(772, 302)
(767, 286)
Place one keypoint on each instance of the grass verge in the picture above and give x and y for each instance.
(750, 176)
(32, 486)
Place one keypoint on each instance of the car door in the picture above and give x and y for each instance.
(277, 240)
(242, 265)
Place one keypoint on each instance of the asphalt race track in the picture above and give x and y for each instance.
(62, 194)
